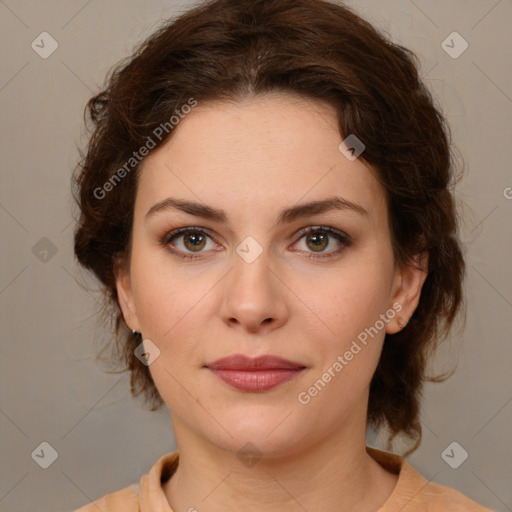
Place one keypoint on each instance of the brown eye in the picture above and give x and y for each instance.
(195, 241)
(186, 241)
(317, 241)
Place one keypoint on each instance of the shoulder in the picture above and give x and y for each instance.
(440, 497)
(126, 499)
(414, 493)
(148, 492)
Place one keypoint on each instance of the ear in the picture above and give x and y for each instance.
(125, 295)
(407, 285)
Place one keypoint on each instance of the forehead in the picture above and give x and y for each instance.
(261, 153)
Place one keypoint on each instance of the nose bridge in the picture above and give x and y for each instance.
(251, 272)
(252, 292)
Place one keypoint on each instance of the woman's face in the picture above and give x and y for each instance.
(252, 284)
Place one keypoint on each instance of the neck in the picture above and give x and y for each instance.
(332, 474)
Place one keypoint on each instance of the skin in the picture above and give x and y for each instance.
(252, 159)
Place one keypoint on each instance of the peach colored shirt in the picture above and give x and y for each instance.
(413, 492)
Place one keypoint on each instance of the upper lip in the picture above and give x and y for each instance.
(265, 362)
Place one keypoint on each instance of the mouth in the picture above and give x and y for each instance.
(255, 374)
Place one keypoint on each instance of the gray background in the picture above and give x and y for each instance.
(51, 388)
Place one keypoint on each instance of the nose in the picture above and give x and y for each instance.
(254, 296)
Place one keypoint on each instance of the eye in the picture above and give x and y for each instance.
(191, 240)
(318, 238)
(184, 242)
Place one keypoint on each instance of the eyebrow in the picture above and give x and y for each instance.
(285, 216)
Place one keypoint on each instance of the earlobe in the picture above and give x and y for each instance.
(125, 296)
(409, 279)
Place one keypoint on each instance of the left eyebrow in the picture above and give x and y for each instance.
(320, 206)
(287, 215)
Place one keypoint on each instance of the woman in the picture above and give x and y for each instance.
(266, 200)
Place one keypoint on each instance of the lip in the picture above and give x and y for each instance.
(255, 374)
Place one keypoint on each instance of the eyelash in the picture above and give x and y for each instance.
(339, 235)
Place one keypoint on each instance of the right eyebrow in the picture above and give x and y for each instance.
(190, 207)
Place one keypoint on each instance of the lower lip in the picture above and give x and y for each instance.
(256, 380)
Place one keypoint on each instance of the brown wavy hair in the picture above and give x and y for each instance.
(230, 49)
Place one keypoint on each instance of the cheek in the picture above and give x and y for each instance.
(159, 298)
(172, 306)
(347, 353)
(347, 329)
(350, 298)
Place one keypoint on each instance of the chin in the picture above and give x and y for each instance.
(267, 435)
